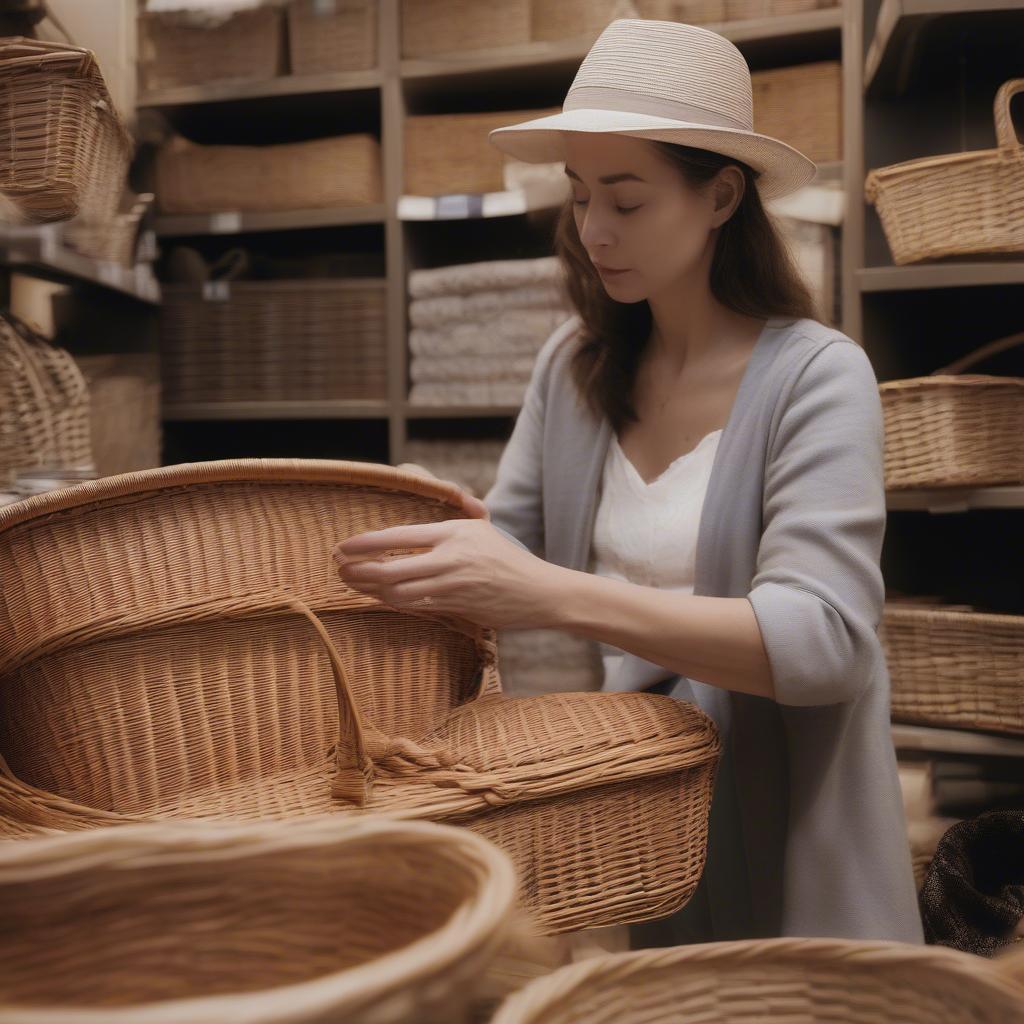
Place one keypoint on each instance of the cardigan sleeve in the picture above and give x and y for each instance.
(516, 499)
(818, 591)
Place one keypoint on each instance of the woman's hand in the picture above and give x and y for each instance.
(471, 504)
(465, 568)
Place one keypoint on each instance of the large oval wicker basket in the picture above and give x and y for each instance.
(177, 643)
(803, 981)
(956, 205)
(373, 922)
(954, 429)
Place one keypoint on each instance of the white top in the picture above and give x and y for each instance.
(646, 533)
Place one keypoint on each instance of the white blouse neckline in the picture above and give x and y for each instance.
(634, 473)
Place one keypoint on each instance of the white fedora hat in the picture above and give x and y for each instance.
(670, 82)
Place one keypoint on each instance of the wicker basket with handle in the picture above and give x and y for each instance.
(955, 668)
(317, 174)
(66, 151)
(368, 922)
(340, 35)
(951, 429)
(803, 981)
(44, 404)
(956, 205)
(190, 47)
(176, 643)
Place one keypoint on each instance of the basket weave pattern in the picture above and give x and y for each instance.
(341, 36)
(176, 644)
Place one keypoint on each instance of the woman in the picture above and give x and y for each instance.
(695, 481)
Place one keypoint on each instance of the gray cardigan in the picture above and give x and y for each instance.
(808, 836)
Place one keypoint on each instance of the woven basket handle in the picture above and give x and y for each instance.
(1006, 135)
(979, 354)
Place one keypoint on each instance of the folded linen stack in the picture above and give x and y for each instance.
(470, 464)
(476, 329)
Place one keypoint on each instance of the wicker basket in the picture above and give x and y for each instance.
(177, 643)
(690, 12)
(66, 151)
(44, 404)
(957, 205)
(810, 981)
(370, 922)
(319, 174)
(951, 429)
(340, 35)
(576, 18)
(955, 669)
(450, 153)
(188, 48)
(746, 10)
(802, 106)
(431, 27)
(251, 341)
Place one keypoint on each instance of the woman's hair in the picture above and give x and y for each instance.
(751, 273)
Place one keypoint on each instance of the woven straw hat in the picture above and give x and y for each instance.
(666, 81)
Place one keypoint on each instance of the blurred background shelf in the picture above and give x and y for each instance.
(955, 499)
(955, 741)
(341, 409)
(230, 222)
(940, 275)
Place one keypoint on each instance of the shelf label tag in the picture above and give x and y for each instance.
(459, 206)
(216, 291)
(226, 223)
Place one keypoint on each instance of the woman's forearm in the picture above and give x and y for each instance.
(715, 640)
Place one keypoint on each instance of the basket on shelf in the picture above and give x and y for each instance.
(691, 12)
(956, 205)
(336, 36)
(340, 171)
(65, 151)
(746, 10)
(573, 18)
(954, 668)
(450, 153)
(252, 341)
(802, 106)
(115, 240)
(951, 429)
(368, 922)
(432, 27)
(191, 47)
(44, 404)
(177, 643)
(813, 981)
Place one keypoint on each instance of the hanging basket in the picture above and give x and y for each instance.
(367, 922)
(952, 429)
(958, 205)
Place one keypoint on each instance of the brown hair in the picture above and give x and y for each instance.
(751, 273)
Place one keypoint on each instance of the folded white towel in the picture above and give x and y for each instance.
(467, 394)
(471, 369)
(466, 278)
(519, 333)
(446, 309)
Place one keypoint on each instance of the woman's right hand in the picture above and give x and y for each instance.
(471, 504)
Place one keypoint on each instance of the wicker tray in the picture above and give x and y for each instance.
(955, 669)
(802, 106)
(337, 36)
(250, 341)
(368, 922)
(431, 27)
(810, 981)
(177, 643)
(188, 48)
(951, 429)
(319, 174)
(450, 153)
(66, 151)
(957, 205)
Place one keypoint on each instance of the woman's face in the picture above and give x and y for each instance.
(637, 215)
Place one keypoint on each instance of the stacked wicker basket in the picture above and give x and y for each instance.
(956, 667)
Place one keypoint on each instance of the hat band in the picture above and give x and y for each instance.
(602, 98)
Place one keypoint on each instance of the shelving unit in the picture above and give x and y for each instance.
(919, 80)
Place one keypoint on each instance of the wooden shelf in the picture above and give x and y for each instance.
(901, 34)
(439, 412)
(940, 275)
(340, 409)
(759, 32)
(230, 222)
(942, 500)
(286, 85)
(39, 251)
(955, 741)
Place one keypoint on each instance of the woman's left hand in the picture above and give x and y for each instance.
(468, 569)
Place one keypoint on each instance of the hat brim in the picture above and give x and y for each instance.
(782, 169)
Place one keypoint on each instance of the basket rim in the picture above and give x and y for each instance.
(327, 471)
(908, 610)
(553, 990)
(471, 926)
(947, 379)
